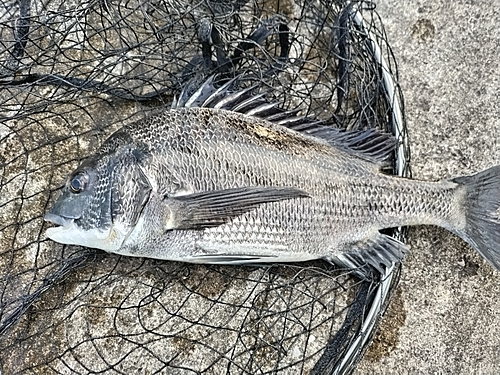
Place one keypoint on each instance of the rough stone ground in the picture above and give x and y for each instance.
(446, 315)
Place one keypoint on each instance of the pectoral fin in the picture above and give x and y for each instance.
(213, 208)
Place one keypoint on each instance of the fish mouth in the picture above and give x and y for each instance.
(58, 220)
(67, 231)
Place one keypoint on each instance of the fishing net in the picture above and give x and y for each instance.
(71, 73)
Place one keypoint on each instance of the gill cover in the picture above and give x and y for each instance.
(130, 190)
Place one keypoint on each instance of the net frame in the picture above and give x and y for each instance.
(34, 89)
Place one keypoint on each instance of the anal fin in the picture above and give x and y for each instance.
(378, 252)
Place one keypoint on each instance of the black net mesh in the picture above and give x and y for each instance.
(71, 73)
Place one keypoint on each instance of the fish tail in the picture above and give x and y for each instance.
(482, 213)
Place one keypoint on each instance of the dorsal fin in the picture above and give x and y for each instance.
(368, 144)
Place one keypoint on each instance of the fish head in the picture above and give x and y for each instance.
(100, 202)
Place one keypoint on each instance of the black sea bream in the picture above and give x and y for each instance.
(228, 178)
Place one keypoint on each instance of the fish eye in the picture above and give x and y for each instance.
(78, 182)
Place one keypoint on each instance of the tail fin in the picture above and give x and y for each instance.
(482, 213)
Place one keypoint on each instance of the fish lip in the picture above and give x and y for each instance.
(58, 220)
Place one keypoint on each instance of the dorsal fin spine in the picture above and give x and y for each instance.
(233, 99)
(220, 92)
(191, 102)
(249, 102)
(261, 109)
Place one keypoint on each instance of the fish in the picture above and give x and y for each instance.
(225, 176)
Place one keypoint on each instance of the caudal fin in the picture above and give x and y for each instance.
(482, 213)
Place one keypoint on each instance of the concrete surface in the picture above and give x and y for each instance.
(444, 318)
(446, 315)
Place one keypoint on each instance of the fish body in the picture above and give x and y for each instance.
(213, 185)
